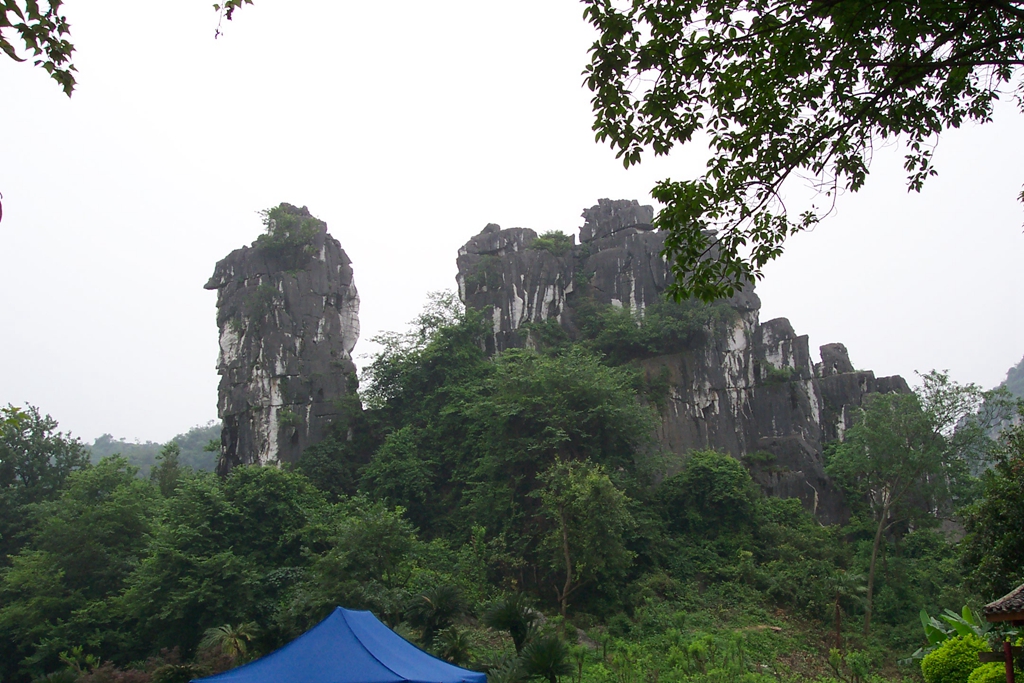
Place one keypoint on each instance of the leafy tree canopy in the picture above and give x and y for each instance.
(35, 462)
(909, 457)
(994, 544)
(785, 89)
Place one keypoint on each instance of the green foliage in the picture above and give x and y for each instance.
(582, 546)
(713, 493)
(773, 375)
(547, 658)
(368, 560)
(994, 544)
(953, 660)
(465, 478)
(903, 459)
(233, 641)
(334, 465)
(228, 7)
(403, 471)
(784, 90)
(993, 672)
(82, 551)
(260, 302)
(35, 462)
(455, 646)
(515, 614)
(290, 235)
(434, 610)
(666, 327)
(547, 334)
(950, 625)
(44, 32)
(288, 418)
(852, 667)
(167, 471)
(193, 444)
(42, 29)
(554, 241)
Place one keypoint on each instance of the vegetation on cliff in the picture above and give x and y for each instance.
(511, 514)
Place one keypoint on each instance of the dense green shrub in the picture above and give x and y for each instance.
(993, 672)
(954, 660)
(291, 232)
(993, 546)
(622, 335)
(713, 494)
(554, 241)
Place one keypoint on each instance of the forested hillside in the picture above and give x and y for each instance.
(512, 514)
(196, 451)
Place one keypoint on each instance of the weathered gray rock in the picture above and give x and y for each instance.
(612, 215)
(835, 360)
(751, 389)
(287, 330)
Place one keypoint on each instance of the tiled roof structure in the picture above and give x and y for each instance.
(1010, 604)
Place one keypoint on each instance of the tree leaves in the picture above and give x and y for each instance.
(42, 33)
(785, 89)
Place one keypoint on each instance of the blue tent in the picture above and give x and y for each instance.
(348, 647)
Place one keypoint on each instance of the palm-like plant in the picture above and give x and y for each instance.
(232, 640)
(514, 614)
(454, 646)
(506, 669)
(547, 658)
(176, 673)
(435, 610)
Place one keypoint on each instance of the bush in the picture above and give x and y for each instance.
(622, 335)
(954, 660)
(713, 495)
(554, 241)
(993, 672)
(290, 236)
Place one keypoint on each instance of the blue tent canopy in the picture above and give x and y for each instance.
(348, 647)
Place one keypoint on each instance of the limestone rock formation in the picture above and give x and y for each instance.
(288, 313)
(751, 389)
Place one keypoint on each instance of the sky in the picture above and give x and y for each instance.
(407, 126)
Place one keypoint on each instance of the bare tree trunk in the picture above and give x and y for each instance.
(839, 626)
(563, 599)
(871, 569)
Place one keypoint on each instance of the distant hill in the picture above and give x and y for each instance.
(193, 445)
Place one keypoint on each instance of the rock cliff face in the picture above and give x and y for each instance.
(750, 389)
(288, 319)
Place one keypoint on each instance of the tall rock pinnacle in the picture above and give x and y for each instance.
(288, 314)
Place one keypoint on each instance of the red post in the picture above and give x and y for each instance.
(1008, 659)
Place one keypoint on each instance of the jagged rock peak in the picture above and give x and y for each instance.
(288, 314)
(613, 215)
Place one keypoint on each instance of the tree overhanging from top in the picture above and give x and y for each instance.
(784, 89)
(41, 32)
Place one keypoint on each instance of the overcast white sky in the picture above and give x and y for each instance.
(407, 126)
